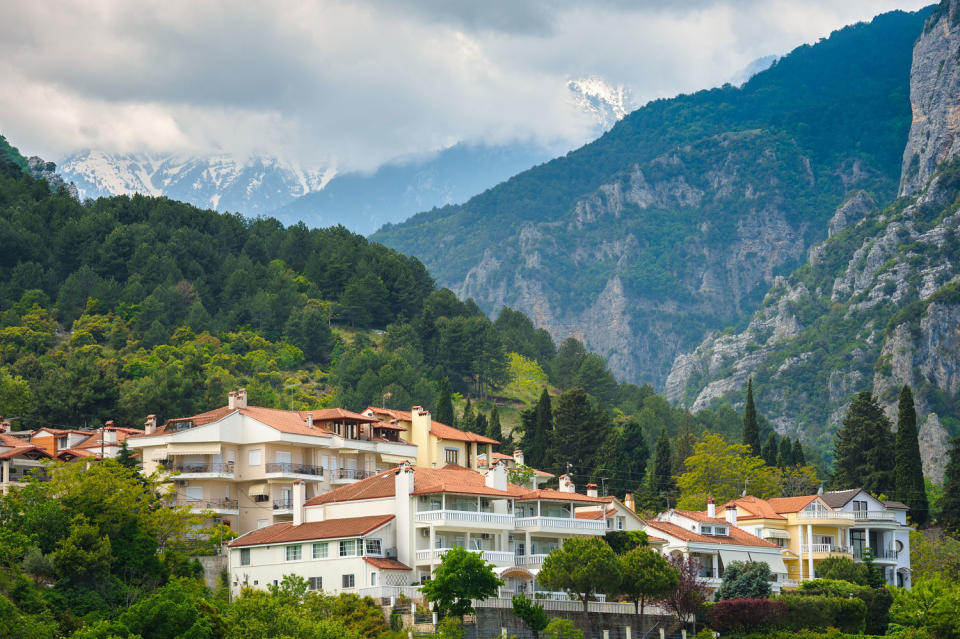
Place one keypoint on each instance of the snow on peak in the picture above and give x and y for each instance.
(604, 102)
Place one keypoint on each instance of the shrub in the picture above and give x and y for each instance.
(562, 629)
(876, 600)
(745, 580)
(746, 615)
(817, 612)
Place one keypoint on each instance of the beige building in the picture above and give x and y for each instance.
(19, 458)
(241, 462)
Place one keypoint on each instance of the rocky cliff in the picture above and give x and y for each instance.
(878, 304)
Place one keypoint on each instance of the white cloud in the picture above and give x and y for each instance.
(355, 84)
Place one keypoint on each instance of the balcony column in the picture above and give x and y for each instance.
(840, 537)
(866, 537)
(467, 541)
(6, 475)
(526, 543)
(716, 564)
(810, 551)
(433, 544)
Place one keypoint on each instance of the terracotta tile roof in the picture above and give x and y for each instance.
(737, 536)
(839, 498)
(459, 480)
(75, 452)
(380, 486)
(482, 461)
(386, 564)
(758, 508)
(790, 504)
(656, 540)
(335, 414)
(63, 431)
(896, 505)
(10, 440)
(697, 515)
(286, 532)
(549, 493)
(595, 514)
(122, 433)
(388, 426)
(436, 428)
(29, 450)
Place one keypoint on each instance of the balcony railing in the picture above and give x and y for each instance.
(293, 468)
(561, 522)
(283, 504)
(824, 548)
(493, 556)
(465, 516)
(223, 503)
(208, 467)
(825, 514)
(878, 553)
(874, 515)
(352, 473)
(529, 560)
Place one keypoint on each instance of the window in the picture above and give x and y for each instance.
(373, 579)
(348, 548)
(452, 455)
(521, 548)
(374, 547)
(898, 545)
(320, 550)
(348, 581)
(293, 553)
(706, 530)
(860, 506)
(254, 457)
(244, 556)
(720, 530)
(429, 502)
(620, 523)
(609, 524)
(194, 493)
(315, 583)
(282, 457)
(263, 523)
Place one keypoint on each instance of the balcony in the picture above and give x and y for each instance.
(202, 470)
(503, 558)
(465, 517)
(881, 554)
(224, 505)
(349, 475)
(293, 470)
(562, 523)
(283, 505)
(816, 515)
(824, 549)
(534, 561)
(874, 515)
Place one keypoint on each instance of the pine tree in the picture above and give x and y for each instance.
(444, 410)
(950, 502)
(751, 428)
(862, 448)
(468, 421)
(537, 431)
(480, 424)
(494, 430)
(908, 468)
(799, 459)
(771, 450)
(661, 476)
(785, 456)
(126, 457)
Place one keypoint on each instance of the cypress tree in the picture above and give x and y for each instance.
(468, 421)
(537, 431)
(771, 450)
(494, 430)
(950, 503)
(480, 424)
(751, 428)
(908, 468)
(861, 454)
(785, 456)
(663, 485)
(799, 459)
(444, 410)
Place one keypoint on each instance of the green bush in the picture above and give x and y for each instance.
(562, 629)
(818, 612)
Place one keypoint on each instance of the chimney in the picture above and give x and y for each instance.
(299, 499)
(4, 426)
(591, 490)
(497, 476)
(628, 502)
(711, 508)
(567, 485)
(731, 514)
(518, 457)
(109, 433)
(309, 420)
(150, 426)
(242, 398)
(231, 400)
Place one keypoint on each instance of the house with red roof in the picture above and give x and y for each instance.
(426, 512)
(18, 459)
(239, 462)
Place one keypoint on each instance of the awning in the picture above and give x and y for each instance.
(773, 533)
(733, 555)
(203, 448)
(258, 490)
(396, 459)
(774, 560)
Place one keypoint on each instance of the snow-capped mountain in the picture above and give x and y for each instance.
(253, 187)
(605, 102)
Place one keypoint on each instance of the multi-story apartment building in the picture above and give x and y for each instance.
(715, 542)
(810, 528)
(393, 529)
(241, 462)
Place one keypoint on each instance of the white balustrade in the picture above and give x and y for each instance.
(465, 516)
(561, 522)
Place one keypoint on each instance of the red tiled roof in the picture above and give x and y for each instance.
(595, 514)
(457, 479)
(16, 451)
(62, 431)
(10, 440)
(737, 536)
(697, 515)
(557, 495)
(75, 452)
(386, 564)
(655, 540)
(436, 428)
(790, 504)
(379, 486)
(389, 426)
(286, 532)
(336, 414)
(122, 433)
(758, 508)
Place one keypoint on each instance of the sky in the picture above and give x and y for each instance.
(355, 84)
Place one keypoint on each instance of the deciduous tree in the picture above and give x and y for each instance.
(646, 576)
(722, 471)
(461, 576)
(583, 566)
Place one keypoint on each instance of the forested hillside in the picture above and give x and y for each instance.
(677, 220)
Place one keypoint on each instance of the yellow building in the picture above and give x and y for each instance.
(437, 444)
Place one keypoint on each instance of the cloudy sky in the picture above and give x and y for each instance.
(353, 84)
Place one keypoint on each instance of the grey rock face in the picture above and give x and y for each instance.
(935, 98)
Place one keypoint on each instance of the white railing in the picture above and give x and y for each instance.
(465, 516)
(874, 515)
(823, 548)
(383, 592)
(493, 556)
(529, 560)
(561, 522)
(825, 514)
(608, 607)
(789, 583)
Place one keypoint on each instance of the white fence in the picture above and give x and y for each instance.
(561, 522)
